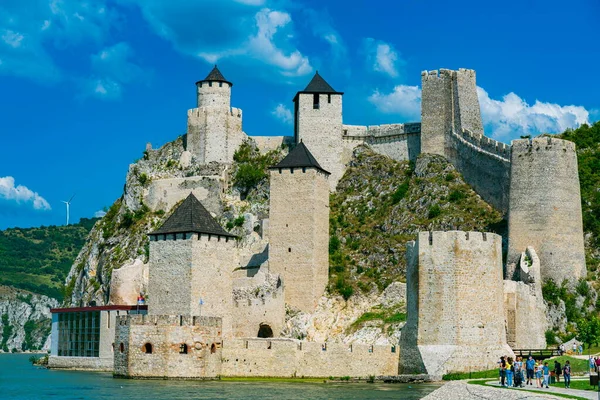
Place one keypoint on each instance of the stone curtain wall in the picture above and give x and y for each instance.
(293, 358)
(299, 234)
(451, 126)
(166, 334)
(249, 314)
(400, 142)
(163, 194)
(545, 208)
(320, 129)
(455, 304)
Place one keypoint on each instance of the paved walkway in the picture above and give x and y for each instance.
(586, 394)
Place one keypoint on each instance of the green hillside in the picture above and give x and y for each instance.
(39, 259)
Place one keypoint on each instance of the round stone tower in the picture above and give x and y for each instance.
(545, 208)
(214, 91)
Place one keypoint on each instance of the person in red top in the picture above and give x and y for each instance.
(140, 300)
(597, 364)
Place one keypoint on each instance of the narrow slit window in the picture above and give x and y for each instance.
(316, 101)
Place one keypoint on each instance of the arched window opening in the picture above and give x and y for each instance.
(147, 348)
(265, 331)
(183, 348)
(213, 348)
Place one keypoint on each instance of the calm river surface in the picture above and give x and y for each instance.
(20, 380)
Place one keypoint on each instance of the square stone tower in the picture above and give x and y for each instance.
(214, 128)
(299, 227)
(191, 265)
(318, 123)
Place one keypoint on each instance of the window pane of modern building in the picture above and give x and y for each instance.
(79, 334)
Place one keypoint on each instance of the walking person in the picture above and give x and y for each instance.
(580, 348)
(546, 373)
(597, 364)
(509, 372)
(557, 370)
(567, 374)
(592, 362)
(503, 371)
(530, 365)
(538, 374)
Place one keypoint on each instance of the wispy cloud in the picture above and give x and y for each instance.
(21, 194)
(402, 100)
(99, 214)
(251, 31)
(382, 57)
(284, 114)
(112, 69)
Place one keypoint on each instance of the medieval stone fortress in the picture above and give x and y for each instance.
(209, 314)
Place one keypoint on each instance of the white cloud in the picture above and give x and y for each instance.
(382, 57)
(282, 113)
(263, 46)
(512, 116)
(99, 214)
(503, 119)
(251, 31)
(402, 100)
(112, 69)
(21, 194)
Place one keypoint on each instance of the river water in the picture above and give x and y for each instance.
(20, 380)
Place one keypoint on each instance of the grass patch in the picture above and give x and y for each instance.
(579, 384)
(578, 366)
(457, 376)
(383, 317)
(274, 379)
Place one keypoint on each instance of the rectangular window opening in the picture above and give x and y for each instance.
(316, 101)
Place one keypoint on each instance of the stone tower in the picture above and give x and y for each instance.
(214, 128)
(455, 304)
(545, 208)
(299, 227)
(449, 104)
(191, 260)
(318, 123)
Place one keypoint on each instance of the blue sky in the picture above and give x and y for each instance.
(85, 84)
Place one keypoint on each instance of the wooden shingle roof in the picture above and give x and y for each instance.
(318, 85)
(191, 217)
(215, 76)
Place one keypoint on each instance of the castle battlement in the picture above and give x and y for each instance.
(542, 144)
(168, 320)
(462, 238)
(373, 132)
(196, 112)
(485, 144)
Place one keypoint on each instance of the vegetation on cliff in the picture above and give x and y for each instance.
(381, 204)
(39, 259)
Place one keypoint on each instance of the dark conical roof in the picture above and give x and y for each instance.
(215, 76)
(318, 85)
(191, 217)
(299, 157)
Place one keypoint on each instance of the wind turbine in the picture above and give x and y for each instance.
(68, 204)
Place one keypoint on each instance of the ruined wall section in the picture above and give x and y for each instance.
(200, 358)
(293, 358)
(545, 207)
(321, 131)
(254, 308)
(299, 233)
(448, 330)
(436, 110)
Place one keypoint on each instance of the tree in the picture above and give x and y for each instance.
(588, 330)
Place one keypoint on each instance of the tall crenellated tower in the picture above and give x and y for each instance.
(318, 122)
(299, 227)
(545, 208)
(191, 265)
(214, 128)
(449, 104)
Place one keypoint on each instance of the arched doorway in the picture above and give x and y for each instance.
(265, 331)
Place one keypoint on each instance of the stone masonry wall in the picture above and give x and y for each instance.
(400, 142)
(293, 358)
(436, 110)
(545, 207)
(455, 304)
(166, 335)
(252, 312)
(321, 129)
(165, 193)
(299, 234)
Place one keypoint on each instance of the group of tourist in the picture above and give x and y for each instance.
(594, 364)
(516, 373)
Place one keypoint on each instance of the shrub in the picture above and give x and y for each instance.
(550, 338)
(344, 288)
(450, 177)
(400, 193)
(434, 211)
(239, 221)
(456, 195)
(143, 179)
(334, 244)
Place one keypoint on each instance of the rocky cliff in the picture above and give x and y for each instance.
(25, 320)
